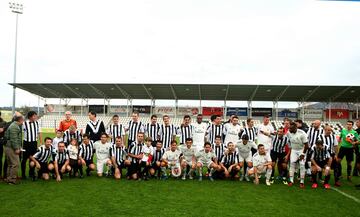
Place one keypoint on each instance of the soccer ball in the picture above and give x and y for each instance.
(350, 137)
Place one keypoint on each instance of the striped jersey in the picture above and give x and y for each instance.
(68, 136)
(119, 153)
(185, 132)
(219, 151)
(167, 134)
(320, 154)
(329, 140)
(86, 151)
(43, 154)
(61, 157)
(313, 134)
(31, 131)
(115, 130)
(157, 154)
(213, 131)
(136, 149)
(152, 131)
(278, 144)
(230, 159)
(251, 132)
(134, 128)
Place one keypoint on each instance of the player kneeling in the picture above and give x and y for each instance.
(230, 162)
(118, 155)
(206, 158)
(320, 160)
(102, 150)
(156, 160)
(171, 159)
(60, 164)
(40, 160)
(188, 161)
(261, 165)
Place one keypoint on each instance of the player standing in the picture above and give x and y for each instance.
(244, 147)
(199, 132)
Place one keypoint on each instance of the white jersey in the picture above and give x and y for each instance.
(245, 150)
(147, 151)
(199, 134)
(260, 160)
(73, 152)
(205, 158)
(262, 138)
(102, 150)
(56, 141)
(297, 140)
(231, 133)
(172, 156)
(188, 153)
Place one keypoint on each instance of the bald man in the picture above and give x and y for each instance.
(65, 124)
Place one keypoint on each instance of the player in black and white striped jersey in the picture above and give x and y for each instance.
(40, 160)
(60, 162)
(135, 154)
(167, 132)
(94, 128)
(218, 148)
(313, 134)
(185, 130)
(330, 140)
(230, 162)
(118, 156)
(86, 153)
(152, 130)
(250, 130)
(116, 129)
(214, 129)
(320, 160)
(156, 161)
(278, 155)
(134, 127)
(72, 133)
(31, 136)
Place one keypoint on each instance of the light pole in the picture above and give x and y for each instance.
(17, 9)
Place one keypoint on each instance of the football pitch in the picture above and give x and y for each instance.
(93, 196)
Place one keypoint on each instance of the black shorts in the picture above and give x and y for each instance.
(233, 171)
(322, 164)
(276, 156)
(43, 168)
(348, 152)
(88, 162)
(60, 166)
(30, 148)
(74, 163)
(133, 168)
(121, 166)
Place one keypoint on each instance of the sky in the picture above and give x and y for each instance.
(180, 41)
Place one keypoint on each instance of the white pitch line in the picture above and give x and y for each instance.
(346, 195)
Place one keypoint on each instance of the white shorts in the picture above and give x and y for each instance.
(207, 164)
(100, 165)
(259, 169)
(189, 163)
(245, 157)
(295, 155)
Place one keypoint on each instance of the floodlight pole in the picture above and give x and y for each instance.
(17, 9)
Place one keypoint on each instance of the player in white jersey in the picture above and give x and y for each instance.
(243, 147)
(57, 139)
(146, 160)
(171, 159)
(232, 130)
(206, 158)
(199, 133)
(188, 158)
(298, 147)
(264, 136)
(261, 165)
(102, 148)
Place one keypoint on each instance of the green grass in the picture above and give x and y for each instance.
(93, 196)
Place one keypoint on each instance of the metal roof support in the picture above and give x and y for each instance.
(278, 97)
(333, 98)
(53, 92)
(249, 108)
(152, 106)
(329, 111)
(173, 92)
(123, 92)
(73, 91)
(254, 93)
(225, 107)
(176, 107)
(147, 91)
(307, 96)
(200, 99)
(275, 106)
(102, 94)
(357, 108)
(227, 92)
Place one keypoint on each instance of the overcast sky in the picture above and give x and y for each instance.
(182, 41)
